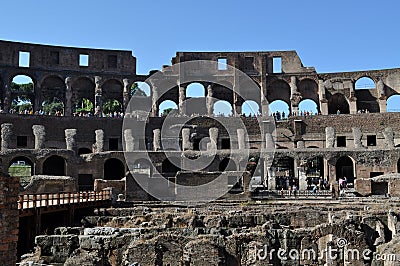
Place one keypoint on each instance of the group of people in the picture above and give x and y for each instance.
(282, 115)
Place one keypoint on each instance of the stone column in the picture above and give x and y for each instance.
(157, 139)
(357, 136)
(129, 140)
(154, 101)
(98, 109)
(382, 96)
(322, 97)
(329, 137)
(300, 173)
(40, 136)
(126, 93)
(271, 181)
(68, 97)
(295, 96)
(240, 136)
(389, 137)
(99, 145)
(182, 98)
(210, 100)
(9, 189)
(213, 133)
(269, 142)
(70, 135)
(7, 99)
(186, 144)
(6, 136)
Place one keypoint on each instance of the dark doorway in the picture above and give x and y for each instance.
(225, 144)
(170, 168)
(338, 102)
(114, 169)
(54, 165)
(379, 188)
(85, 182)
(345, 168)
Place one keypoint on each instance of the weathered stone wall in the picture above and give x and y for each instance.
(9, 219)
(50, 184)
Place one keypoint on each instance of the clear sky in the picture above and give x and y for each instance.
(340, 35)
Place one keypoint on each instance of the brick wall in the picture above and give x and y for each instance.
(9, 218)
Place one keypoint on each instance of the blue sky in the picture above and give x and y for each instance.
(329, 35)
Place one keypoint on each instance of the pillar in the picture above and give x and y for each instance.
(70, 139)
(129, 140)
(329, 137)
(186, 144)
(157, 139)
(7, 99)
(9, 189)
(126, 93)
(322, 96)
(300, 173)
(240, 136)
(357, 136)
(382, 96)
(6, 136)
(182, 98)
(154, 101)
(271, 181)
(295, 96)
(68, 97)
(269, 142)
(213, 133)
(210, 100)
(39, 132)
(99, 145)
(97, 96)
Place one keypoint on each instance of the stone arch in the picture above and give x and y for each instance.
(52, 86)
(284, 172)
(222, 108)
(279, 106)
(393, 103)
(367, 95)
(337, 102)
(307, 105)
(83, 88)
(112, 89)
(250, 107)
(365, 83)
(223, 92)
(23, 92)
(308, 89)
(315, 172)
(195, 90)
(114, 169)
(227, 164)
(54, 165)
(167, 106)
(345, 167)
(169, 168)
(278, 90)
(143, 166)
(22, 167)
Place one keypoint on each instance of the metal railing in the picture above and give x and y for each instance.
(30, 201)
(291, 194)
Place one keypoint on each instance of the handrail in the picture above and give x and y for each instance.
(31, 201)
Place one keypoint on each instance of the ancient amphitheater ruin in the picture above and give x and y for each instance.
(93, 193)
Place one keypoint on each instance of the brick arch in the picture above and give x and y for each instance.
(114, 169)
(279, 90)
(112, 89)
(54, 165)
(309, 90)
(53, 86)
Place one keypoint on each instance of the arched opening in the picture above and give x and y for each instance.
(308, 89)
(337, 104)
(83, 96)
(53, 106)
(365, 83)
(284, 173)
(22, 94)
(84, 151)
(54, 165)
(308, 107)
(83, 107)
(114, 169)
(169, 167)
(167, 107)
(315, 173)
(366, 94)
(140, 89)
(278, 90)
(143, 167)
(345, 169)
(250, 108)
(195, 90)
(222, 108)
(52, 95)
(23, 168)
(279, 109)
(227, 164)
(112, 108)
(393, 103)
